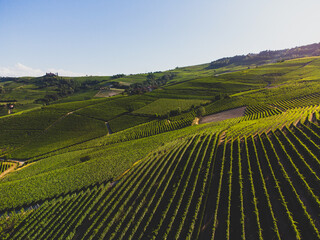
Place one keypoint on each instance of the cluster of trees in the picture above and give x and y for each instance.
(117, 85)
(63, 87)
(149, 84)
(173, 113)
(6, 79)
(220, 96)
(118, 76)
(90, 84)
(200, 111)
(47, 99)
(58, 82)
(268, 56)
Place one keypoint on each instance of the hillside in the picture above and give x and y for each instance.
(268, 56)
(32, 93)
(155, 162)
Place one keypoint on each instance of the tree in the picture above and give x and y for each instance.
(175, 112)
(85, 158)
(201, 111)
(217, 97)
(179, 110)
(151, 76)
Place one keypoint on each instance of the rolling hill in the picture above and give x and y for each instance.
(143, 164)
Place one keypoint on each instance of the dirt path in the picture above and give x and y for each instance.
(271, 87)
(107, 93)
(19, 162)
(233, 113)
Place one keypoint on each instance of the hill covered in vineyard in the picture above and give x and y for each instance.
(225, 150)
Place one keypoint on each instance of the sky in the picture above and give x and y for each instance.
(107, 37)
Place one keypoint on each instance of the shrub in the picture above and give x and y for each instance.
(85, 158)
(201, 111)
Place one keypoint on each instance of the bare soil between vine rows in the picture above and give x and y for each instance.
(233, 113)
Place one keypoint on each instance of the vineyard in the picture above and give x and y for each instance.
(312, 99)
(163, 106)
(149, 129)
(196, 188)
(144, 166)
(250, 127)
(127, 121)
(4, 166)
(262, 187)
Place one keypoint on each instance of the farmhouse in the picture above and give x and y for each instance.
(10, 107)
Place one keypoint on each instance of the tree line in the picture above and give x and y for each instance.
(63, 87)
(268, 56)
(151, 83)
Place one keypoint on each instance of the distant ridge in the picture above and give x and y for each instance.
(268, 56)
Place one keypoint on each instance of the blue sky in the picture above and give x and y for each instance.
(106, 37)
